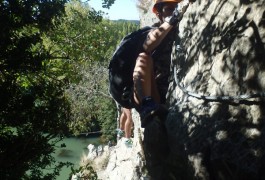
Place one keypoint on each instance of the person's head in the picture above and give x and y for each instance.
(164, 8)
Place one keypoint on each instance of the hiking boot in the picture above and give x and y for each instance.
(120, 133)
(150, 109)
(128, 142)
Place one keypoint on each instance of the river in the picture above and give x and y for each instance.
(75, 148)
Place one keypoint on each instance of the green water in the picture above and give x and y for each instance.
(75, 148)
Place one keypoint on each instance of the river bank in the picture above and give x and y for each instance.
(72, 149)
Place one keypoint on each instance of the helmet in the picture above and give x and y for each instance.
(160, 1)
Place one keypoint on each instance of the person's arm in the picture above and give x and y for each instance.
(155, 37)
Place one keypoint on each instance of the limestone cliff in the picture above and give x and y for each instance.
(216, 122)
(120, 162)
(215, 128)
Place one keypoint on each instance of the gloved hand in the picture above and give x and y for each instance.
(175, 18)
(178, 12)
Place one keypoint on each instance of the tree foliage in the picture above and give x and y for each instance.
(33, 108)
(53, 76)
(88, 43)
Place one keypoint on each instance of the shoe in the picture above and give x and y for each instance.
(151, 109)
(120, 133)
(128, 142)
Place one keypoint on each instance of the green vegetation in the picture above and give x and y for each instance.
(53, 80)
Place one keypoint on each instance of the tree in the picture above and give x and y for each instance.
(33, 108)
(88, 41)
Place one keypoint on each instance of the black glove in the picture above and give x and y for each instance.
(175, 18)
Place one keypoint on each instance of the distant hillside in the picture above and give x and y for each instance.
(125, 20)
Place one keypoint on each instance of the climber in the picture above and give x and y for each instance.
(151, 79)
(125, 128)
(152, 67)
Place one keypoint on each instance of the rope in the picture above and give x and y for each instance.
(216, 98)
(182, 10)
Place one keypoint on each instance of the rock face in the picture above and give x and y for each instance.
(215, 128)
(216, 121)
(120, 162)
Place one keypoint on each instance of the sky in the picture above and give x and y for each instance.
(121, 9)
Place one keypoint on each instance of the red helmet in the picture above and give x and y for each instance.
(160, 1)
